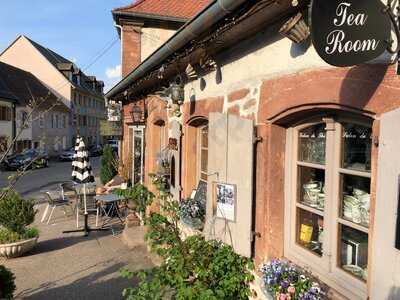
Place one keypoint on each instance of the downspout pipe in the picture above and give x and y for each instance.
(212, 14)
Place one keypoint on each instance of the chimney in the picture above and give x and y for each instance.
(131, 46)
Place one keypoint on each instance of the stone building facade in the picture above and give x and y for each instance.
(309, 148)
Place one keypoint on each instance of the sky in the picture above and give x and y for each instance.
(78, 30)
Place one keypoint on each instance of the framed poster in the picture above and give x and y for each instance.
(224, 201)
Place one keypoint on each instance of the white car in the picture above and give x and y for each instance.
(67, 155)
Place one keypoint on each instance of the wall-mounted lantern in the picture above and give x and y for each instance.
(177, 91)
(295, 29)
(137, 114)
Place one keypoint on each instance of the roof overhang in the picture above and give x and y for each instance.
(203, 24)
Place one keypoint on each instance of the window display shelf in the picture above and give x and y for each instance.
(310, 209)
(310, 165)
(355, 173)
(353, 225)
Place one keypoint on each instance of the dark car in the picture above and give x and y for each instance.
(29, 159)
(95, 150)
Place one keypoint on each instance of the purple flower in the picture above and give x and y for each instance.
(284, 284)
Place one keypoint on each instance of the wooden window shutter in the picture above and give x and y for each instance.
(230, 160)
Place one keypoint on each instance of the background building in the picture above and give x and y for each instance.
(81, 93)
(45, 115)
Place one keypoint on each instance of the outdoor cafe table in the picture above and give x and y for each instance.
(112, 201)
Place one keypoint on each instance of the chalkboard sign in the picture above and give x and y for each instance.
(201, 193)
(397, 243)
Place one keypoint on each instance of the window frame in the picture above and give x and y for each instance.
(325, 267)
(199, 153)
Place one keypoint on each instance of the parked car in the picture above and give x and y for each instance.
(30, 159)
(95, 150)
(67, 155)
(113, 144)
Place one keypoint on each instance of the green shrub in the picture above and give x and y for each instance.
(7, 236)
(7, 284)
(139, 195)
(108, 170)
(191, 269)
(16, 213)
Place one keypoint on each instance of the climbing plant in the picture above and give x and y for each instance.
(191, 269)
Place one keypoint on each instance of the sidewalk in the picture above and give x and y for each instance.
(70, 266)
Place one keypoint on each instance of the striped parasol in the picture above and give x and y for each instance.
(81, 169)
(82, 174)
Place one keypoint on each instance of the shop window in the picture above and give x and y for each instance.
(328, 196)
(202, 155)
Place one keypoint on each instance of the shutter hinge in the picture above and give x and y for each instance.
(257, 140)
(255, 234)
(376, 141)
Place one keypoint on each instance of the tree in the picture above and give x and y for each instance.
(108, 170)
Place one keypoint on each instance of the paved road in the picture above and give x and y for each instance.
(39, 180)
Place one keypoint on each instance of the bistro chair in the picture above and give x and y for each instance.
(91, 203)
(69, 193)
(55, 199)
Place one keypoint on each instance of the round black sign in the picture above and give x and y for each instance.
(349, 32)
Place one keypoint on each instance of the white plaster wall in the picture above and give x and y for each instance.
(278, 57)
(385, 281)
(5, 126)
(48, 137)
(22, 54)
(152, 38)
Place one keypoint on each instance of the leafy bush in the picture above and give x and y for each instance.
(191, 269)
(16, 213)
(108, 170)
(139, 195)
(7, 284)
(7, 236)
(284, 280)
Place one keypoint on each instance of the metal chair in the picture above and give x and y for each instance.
(54, 199)
(91, 202)
(69, 193)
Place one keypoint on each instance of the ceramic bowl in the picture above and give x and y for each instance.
(350, 200)
(309, 186)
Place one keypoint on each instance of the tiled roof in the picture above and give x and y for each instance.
(22, 86)
(62, 64)
(171, 8)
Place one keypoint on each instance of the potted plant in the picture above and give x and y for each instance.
(16, 214)
(283, 280)
(192, 213)
(124, 169)
(138, 199)
(7, 284)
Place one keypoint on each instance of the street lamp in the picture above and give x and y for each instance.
(137, 114)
